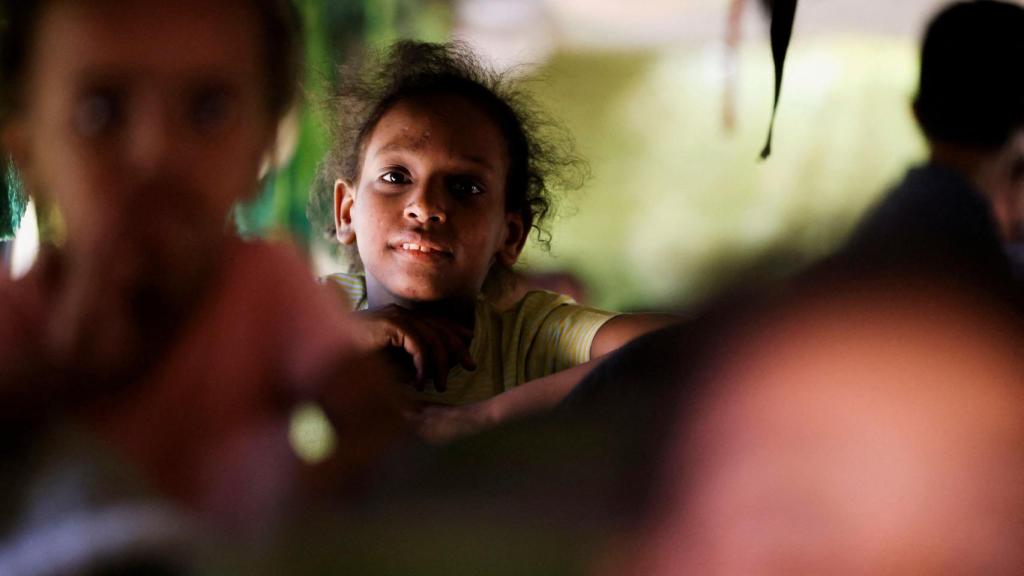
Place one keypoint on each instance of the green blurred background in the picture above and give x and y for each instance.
(678, 205)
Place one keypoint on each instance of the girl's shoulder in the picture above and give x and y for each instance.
(350, 288)
(544, 307)
(547, 332)
(535, 301)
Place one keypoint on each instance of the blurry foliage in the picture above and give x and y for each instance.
(679, 207)
(335, 31)
(12, 200)
(12, 204)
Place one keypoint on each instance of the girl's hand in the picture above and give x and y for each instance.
(433, 344)
(437, 424)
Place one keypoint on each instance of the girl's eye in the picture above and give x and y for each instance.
(466, 186)
(395, 177)
(98, 113)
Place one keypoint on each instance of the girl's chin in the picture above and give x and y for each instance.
(425, 289)
(414, 291)
(421, 297)
(428, 295)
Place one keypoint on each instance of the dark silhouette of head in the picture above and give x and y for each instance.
(971, 88)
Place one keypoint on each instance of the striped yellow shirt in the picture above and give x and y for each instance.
(541, 334)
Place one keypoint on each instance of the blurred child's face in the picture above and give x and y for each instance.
(145, 110)
(428, 211)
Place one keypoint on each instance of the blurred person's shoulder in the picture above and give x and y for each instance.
(270, 306)
(927, 202)
(277, 274)
(934, 219)
(273, 271)
(279, 260)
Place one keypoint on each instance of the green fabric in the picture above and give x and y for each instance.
(543, 333)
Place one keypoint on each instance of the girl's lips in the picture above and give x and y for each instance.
(422, 253)
(420, 246)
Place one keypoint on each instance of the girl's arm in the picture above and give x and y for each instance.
(623, 328)
(439, 424)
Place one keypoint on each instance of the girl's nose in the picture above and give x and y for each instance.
(426, 207)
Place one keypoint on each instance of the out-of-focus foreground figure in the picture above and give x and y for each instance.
(175, 348)
(866, 427)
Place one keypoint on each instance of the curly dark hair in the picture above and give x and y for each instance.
(542, 156)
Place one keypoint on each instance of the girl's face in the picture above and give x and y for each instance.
(147, 111)
(428, 210)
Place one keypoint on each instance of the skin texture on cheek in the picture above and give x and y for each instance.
(397, 273)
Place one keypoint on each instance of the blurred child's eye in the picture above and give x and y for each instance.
(466, 186)
(395, 177)
(209, 109)
(98, 113)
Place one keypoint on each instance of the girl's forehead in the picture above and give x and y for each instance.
(149, 37)
(440, 120)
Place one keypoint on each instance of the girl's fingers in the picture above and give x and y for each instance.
(457, 340)
(419, 361)
(434, 344)
(438, 341)
(394, 334)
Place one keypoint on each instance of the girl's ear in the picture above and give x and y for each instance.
(515, 239)
(344, 196)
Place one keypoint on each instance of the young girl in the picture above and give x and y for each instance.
(441, 170)
(178, 345)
